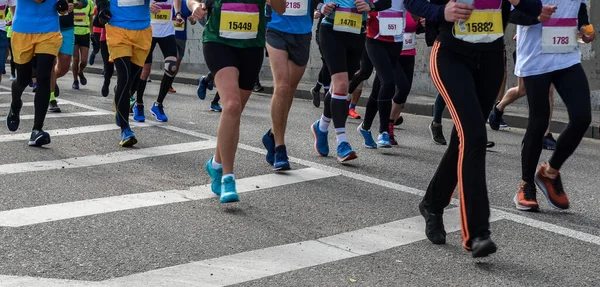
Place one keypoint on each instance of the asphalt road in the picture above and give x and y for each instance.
(85, 212)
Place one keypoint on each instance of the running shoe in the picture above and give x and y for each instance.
(525, 199)
(132, 101)
(127, 138)
(552, 188)
(495, 118)
(228, 190)
(281, 159)
(215, 176)
(367, 136)
(316, 97)
(13, 119)
(75, 85)
(202, 86)
(482, 247)
(13, 77)
(549, 142)
(104, 90)
(158, 112)
(345, 152)
(437, 135)
(92, 59)
(321, 140)
(392, 136)
(82, 79)
(39, 138)
(138, 113)
(171, 90)
(56, 90)
(216, 108)
(384, 140)
(258, 88)
(490, 144)
(434, 225)
(54, 107)
(353, 114)
(399, 121)
(269, 142)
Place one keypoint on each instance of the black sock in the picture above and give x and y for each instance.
(339, 111)
(216, 99)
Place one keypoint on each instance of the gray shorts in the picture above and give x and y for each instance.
(296, 45)
(180, 47)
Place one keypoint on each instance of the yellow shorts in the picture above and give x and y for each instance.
(129, 43)
(24, 46)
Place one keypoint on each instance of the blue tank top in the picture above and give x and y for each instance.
(297, 18)
(35, 18)
(130, 14)
(185, 13)
(341, 4)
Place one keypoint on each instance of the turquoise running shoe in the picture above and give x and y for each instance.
(215, 176)
(228, 191)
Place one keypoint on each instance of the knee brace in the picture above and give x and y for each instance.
(170, 66)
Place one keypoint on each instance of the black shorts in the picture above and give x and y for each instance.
(168, 47)
(342, 51)
(82, 40)
(296, 45)
(248, 61)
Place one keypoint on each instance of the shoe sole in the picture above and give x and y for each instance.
(229, 197)
(540, 184)
(349, 157)
(283, 167)
(356, 118)
(40, 143)
(155, 117)
(314, 133)
(485, 251)
(384, 146)
(215, 190)
(128, 142)
(213, 110)
(54, 110)
(524, 207)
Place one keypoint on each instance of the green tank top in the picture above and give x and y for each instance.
(8, 28)
(82, 19)
(236, 23)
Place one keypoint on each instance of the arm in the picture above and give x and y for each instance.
(531, 7)
(382, 5)
(278, 6)
(177, 7)
(582, 16)
(423, 8)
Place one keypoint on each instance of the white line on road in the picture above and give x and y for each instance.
(72, 131)
(62, 211)
(114, 157)
(64, 115)
(27, 104)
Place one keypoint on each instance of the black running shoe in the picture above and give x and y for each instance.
(399, 121)
(316, 97)
(495, 119)
(482, 247)
(39, 138)
(56, 91)
(82, 79)
(105, 88)
(490, 144)
(13, 119)
(54, 107)
(437, 135)
(434, 225)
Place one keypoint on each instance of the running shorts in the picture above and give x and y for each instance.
(180, 48)
(129, 43)
(296, 45)
(168, 47)
(248, 61)
(26, 45)
(82, 40)
(68, 41)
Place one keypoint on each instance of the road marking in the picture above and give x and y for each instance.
(114, 157)
(260, 263)
(27, 104)
(88, 107)
(68, 210)
(27, 281)
(72, 131)
(64, 115)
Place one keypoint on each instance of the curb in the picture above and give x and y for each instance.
(516, 121)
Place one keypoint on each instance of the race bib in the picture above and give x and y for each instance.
(2, 12)
(129, 3)
(391, 23)
(178, 27)
(485, 24)
(410, 41)
(347, 20)
(296, 8)
(164, 14)
(79, 18)
(559, 36)
(239, 21)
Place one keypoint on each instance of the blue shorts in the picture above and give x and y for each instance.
(68, 41)
(3, 47)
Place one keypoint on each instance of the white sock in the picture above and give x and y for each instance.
(227, 175)
(215, 164)
(324, 123)
(340, 135)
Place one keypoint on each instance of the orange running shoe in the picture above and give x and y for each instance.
(171, 90)
(525, 199)
(552, 188)
(353, 114)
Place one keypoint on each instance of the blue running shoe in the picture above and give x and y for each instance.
(158, 112)
(321, 140)
(12, 120)
(202, 86)
(495, 119)
(228, 192)
(39, 138)
(215, 108)
(92, 60)
(345, 152)
(215, 176)
(384, 140)
(269, 142)
(281, 159)
(127, 138)
(138, 113)
(369, 141)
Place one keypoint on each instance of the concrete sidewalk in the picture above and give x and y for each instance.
(516, 116)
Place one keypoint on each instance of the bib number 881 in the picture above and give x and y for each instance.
(480, 27)
(240, 26)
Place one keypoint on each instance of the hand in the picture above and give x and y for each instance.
(515, 37)
(154, 8)
(317, 15)
(586, 39)
(62, 7)
(327, 9)
(179, 20)
(547, 12)
(71, 7)
(423, 22)
(457, 12)
(104, 16)
(199, 11)
(362, 6)
(192, 20)
(9, 23)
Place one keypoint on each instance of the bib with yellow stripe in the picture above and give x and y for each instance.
(485, 24)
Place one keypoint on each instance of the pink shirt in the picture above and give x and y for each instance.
(410, 32)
